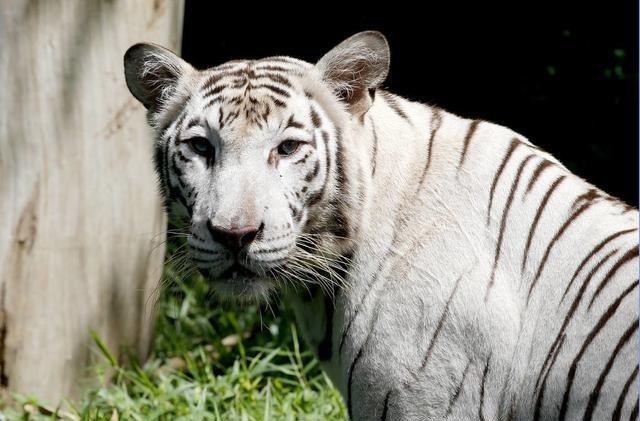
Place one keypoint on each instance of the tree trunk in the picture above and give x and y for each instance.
(82, 228)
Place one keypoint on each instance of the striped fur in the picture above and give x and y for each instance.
(453, 270)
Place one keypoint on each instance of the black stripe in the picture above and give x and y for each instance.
(175, 168)
(550, 360)
(482, 388)
(275, 89)
(544, 164)
(181, 157)
(213, 79)
(159, 153)
(606, 316)
(273, 250)
(467, 139)
(295, 213)
(512, 147)
(197, 237)
(162, 131)
(303, 159)
(370, 288)
(315, 197)
(315, 118)
(220, 118)
(165, 156)
(274, 77)
(350, 382)
(385, 407)
(202, 250)
(436, 332)
(277, 102)
(231, 117)
(215, 90)
(325, 347)
(239, 82)
(212, 101)
(178, 125)
(591, 194)
(536, 219)
(181, 183)
(235, 100)
(325, 139)
(503, 221)
(553, 241)
(341, 221)
(623, 395)
(393, 103)
(591, 254)
(571, 311)
(193, 122)
(292, 123)
(374, 154)
(540, 399)
(436, 122)
(359, 354)
(634, 413)
(458, 390)
(595, 394)
(627, 257)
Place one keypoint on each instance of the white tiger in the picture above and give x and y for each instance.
(453, 269)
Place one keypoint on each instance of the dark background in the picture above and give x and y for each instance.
(563, 74)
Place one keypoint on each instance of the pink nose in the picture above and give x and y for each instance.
(235, 239)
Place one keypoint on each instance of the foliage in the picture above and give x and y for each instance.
(209, 363)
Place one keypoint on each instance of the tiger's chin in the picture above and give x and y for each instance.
(238, 284)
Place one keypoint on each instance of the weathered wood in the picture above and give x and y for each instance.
(79, 208)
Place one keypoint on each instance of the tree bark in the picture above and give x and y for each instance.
(81, 224)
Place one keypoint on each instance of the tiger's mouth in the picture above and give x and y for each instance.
(236, 272)
(238, 283)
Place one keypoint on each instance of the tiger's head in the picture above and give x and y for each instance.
(260, 158)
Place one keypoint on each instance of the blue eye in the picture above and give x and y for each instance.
(288, 147)
(200, 145)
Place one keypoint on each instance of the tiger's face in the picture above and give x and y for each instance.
(247, 161)
(251, 158)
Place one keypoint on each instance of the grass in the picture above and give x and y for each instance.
(208, 363)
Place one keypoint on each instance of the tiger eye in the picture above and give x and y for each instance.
(288, 147)
(200, 145)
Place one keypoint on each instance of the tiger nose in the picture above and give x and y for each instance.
(235, 239)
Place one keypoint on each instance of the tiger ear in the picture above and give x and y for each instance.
(356, 66)
(152, 73)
